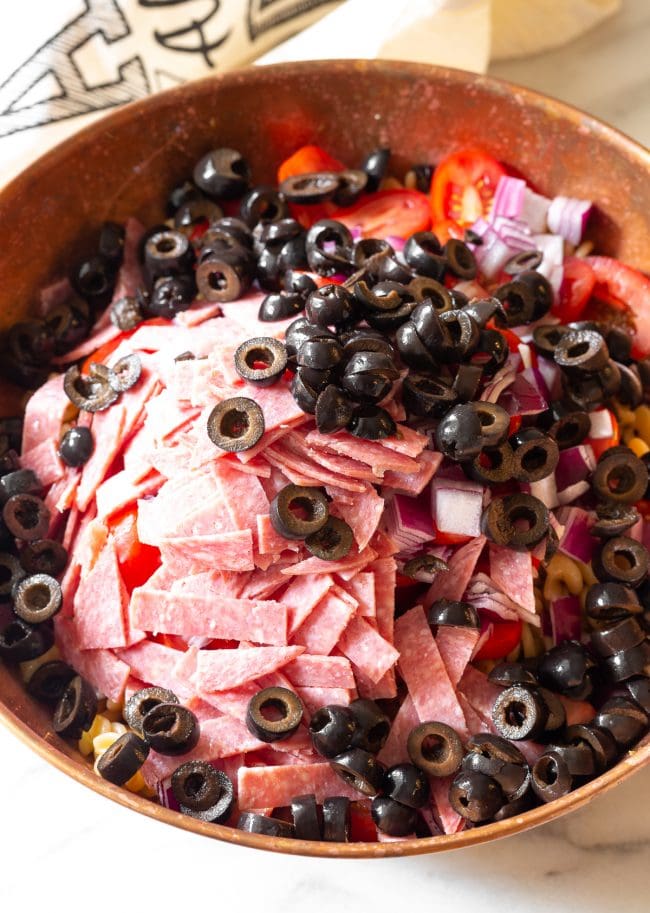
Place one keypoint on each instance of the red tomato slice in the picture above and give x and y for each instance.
(306, 160)
(137, 561)
(362, 827)
(504, 637)
(388, 212)
(625, 287)
(601, 444)
(442, 538)
(103, 352)
(446, 229)
(578, 282)
(463, 186)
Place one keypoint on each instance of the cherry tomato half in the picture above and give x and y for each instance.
(628, 288)
(306, 160)
(578, 282)
(463, 186)
(137, 561)
(362, 827)
(504, 637)
(387, 212)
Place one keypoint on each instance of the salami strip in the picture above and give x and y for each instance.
(452, 584)
(353, 562)
(320, 671)
(230, 551)
(449, 820)
(242, 495)
(321, 630)
(362, 588)
(394, 751)
(220, 670)
(107, 428)
(44, 413)
(456, 646)
(43, 459)
(263, 787)
(367, 649)
(512, 573)
(100, 605)
(480, 692)
(363, 514)
(424, 672)
(414, 483)
(303, 594)
(105, 671)
(374, 455)
(156, 664)
(316, 697)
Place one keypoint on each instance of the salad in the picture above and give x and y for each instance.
(326, 517)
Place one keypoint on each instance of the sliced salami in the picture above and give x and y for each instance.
(452, 584)
(102, 668)
(229, 551)
(263, 787)
(322, 628)
(221, 670)
(406, 719)
(367, 649)
(456, 646)
(512, 573)
(100, 604)
(320, 671)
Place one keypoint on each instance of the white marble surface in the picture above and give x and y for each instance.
(64, 846)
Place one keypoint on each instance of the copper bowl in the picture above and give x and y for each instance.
(124, 164)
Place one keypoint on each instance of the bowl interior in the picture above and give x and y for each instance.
(125, 164)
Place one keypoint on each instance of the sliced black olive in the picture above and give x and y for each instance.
(407, 784)
(21, 642)
(331, 305)
(171, 729)
(518, 301)
(436, 296)
(516, 808)
(535, 455)
(547, 337)
(414, 353)
(319, 354)
(20, 482)
(31, 342)
(491, 352)
(298, 511)
(126, 313)
(306, 823)
(359, 769)
(453, 612)
(42, 556)
(126, 372)
(519, 713)
(196, 211)
(389, 321)
(76, 709)
(48, 682)
(629, 663)
(556, 713)
(518, 521)
(76, 446)
(303, 393)
(26, 517)
(371, 423)
(582, 350)
(432, 332)
(111, 243)
(460, 259)
(602, 745)
(292, 255)
(180, 194)
(541, 289)
(332, 729)
(512, 674)
(263, 205)
(384, 296)
(494, 464)
(123, 759)
(11, 428)
(253, 823)
(68, 322)
(366, 386)
(621, 477)
(144, 700)
(495, 423)
(336, 819)
(550, 777)
(9, 459)
(621, 559)
(467, 381)
(458, 435)
(423, 175)
(313, 187)
(320, 257)
(88, 394)
(332, 541)
(623, 635)
(373, 725)
(170, 295)
(274, 713)
(333, 410)
(280, 305)
(614, 519)
(424, 568)
(566, 669)
(463, 335)
(202, 791)
(93, 280)
(222, 173)
(11, 572)
(392, 817)
(37, 598)
(639, 690)
(352, 182)
(579, 758)
(481, 309)
(619, 343)
(261, 360)
(298, 283)
(624, 721)
(236, 424)
(475, 796)
(610, 601)
(426, 396)
(225, 276)
(375, 165)
(524, 260)
(513, 778)
(301, 330)
(423, 253)
(167, 253)
(368, 252)
(435, 748)
(496, 748)
(276, 232)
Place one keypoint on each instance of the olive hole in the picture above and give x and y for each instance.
(304, 509)
(194, 784)
(14, 633)
(27, 514)
(274, 710)
(239, 167)
(534, 458)
(464, 801)
(434, 748)
(163, 723)
(165, 245)
(624, 560)
(523, 519)
(547, 771)
(580, 348)
(217, 280)
(620, 479)
(38, 596)
(515, 713)
(259, 358)
(234, 424)
(148, 705)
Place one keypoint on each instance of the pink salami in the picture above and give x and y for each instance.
(362, 514)
(512, 573)
(373, 454)
(242, 495)
(108, 429)
(450, 821)
(303, 594)
(320, 671)
(424, 672)
(230, 551)
(322, 628)
(100, 605)
(44, 413)
(367, 649)
(414, 483)
(156, 664)
(353, 562)
(406, 719)
(220, 670)
(43, 459)
(480, 692)
(314, 698)
(452, 584)
(362, 588)
(192, 615)
(263, 787)
(456, 646)
(105, 671)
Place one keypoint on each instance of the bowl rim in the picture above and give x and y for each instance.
(46, 746)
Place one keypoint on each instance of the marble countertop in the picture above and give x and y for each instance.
(65, 846)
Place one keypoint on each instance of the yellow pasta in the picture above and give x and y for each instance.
(100, 724)
(637, 446)
(532, 643)
(28, 668)
(562, 576)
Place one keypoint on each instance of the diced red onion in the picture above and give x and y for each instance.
(501, 380)
(523, 396)
(601, 424)
(508, 198)
(493, 254)
(574, 465)
(534, 210)
(546, 491)
(552, 249)
(565, 619)
(637, 531)
(577, 541)
(166, 795)
(409, 522)
(515, 234)
(573, 492)
(552, 376)
(568, 218)
(457, 507)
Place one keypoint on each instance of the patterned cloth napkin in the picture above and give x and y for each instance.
(64, 63)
